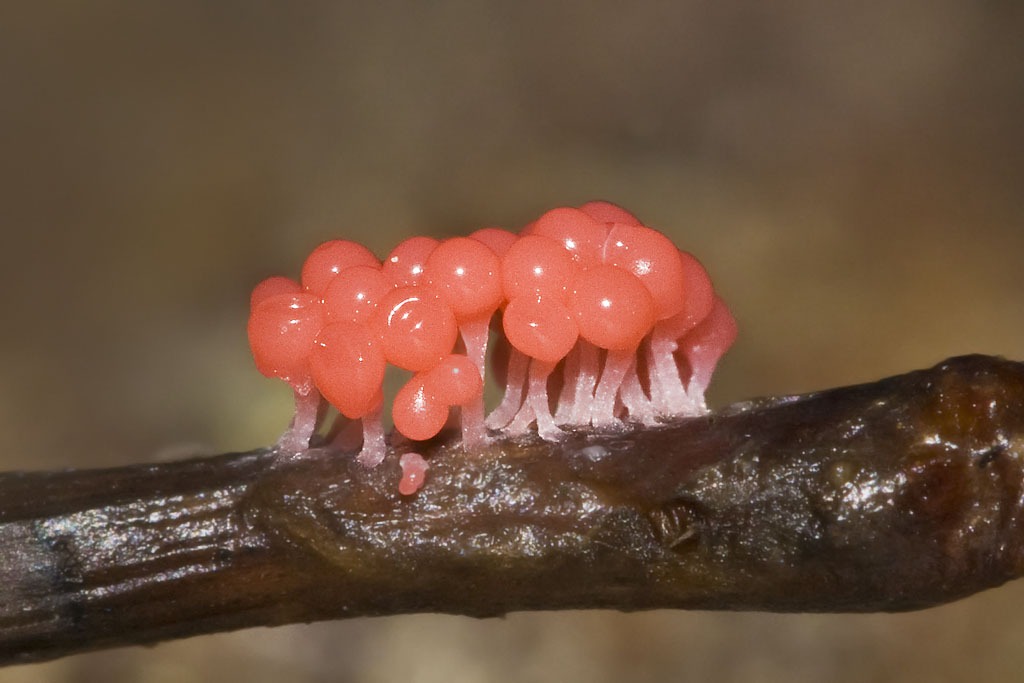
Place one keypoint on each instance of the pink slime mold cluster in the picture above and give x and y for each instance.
(599, 320)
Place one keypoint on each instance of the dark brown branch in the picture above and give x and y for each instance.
(895, 495)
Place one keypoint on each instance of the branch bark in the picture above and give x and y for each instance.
(895, 495)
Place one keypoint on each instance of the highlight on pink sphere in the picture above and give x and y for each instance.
(535, 266)
(612, 308)
(539, 327)
(418, 414)
(272, 286)
(354, 293)
(403, 267)
(281, 331)
(467, 275)
(329, 259)
(417, 328)
(654, 260)
(348, 365)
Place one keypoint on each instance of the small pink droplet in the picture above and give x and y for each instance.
(414, 472)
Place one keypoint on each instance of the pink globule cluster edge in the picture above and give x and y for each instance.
(600, 320)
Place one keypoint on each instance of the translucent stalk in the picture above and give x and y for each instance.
(536, 407)
(304, 423)
(616, 365)
(515, 383)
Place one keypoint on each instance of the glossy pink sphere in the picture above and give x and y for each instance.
(348, 365)
(404, 265)
(354, 294)
(467, 275)
(282, 329)
(272, 286)
(455, 380)
(498, 239)
(582, 236)
(612, 308)
(329, 259)
(418, 414)
(606, 212)
(654, 260)
(416, 327)
(535, 266)
(540, 328)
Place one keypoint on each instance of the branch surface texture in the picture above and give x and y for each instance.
(896, 495)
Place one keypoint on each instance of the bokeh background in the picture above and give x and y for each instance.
(852, 174)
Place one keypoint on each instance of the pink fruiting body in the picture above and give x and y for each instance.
(537, 265)
(582, 236)
(282, 329)
(606, 212)
(404, 265)
(588, 303)
(416, 328)
(418, 412)
(329, 259)
(354, 293)
(704, 346)
(281, 333)
(455, 378)
(348, 366)
(540, 328)
(668, 391)
(272, 286)
(653, 260)
(498, 239)
(466, 274)
(612, 307)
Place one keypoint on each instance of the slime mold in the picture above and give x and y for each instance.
(600, 321)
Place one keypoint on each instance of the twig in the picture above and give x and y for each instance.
(896, 495)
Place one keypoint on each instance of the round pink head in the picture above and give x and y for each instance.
(606, 212)
(281, 333)
(348, 364)
(498, 239)
(611, 307)
(467, 275)
(404, 265)
(540, 328)
(577, 232)
(535, 266)
(272, 286)
(418, 414)
(455, 381)
(417, 328)
(354, 293)
(329, 259)
(700, 294)
(654, 260)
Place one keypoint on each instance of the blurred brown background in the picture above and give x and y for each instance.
(851, 174)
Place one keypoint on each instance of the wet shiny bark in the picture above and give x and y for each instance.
(895, 495)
